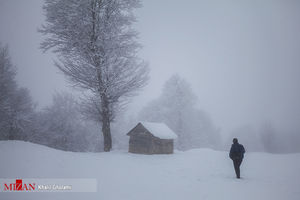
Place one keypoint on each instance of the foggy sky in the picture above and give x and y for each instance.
(241, 57)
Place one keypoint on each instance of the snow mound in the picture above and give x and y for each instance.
(159, 130)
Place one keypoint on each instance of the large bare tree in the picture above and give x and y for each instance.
(97, 50)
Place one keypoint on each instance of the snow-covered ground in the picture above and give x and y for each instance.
(196, 174)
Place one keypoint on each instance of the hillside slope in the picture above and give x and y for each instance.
(195, 174)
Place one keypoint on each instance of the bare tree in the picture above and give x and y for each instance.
(97, 51)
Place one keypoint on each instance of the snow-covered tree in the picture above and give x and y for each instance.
(177, 108)
(16, 106)
(7, 89)
(59, 121)
(60, 125)
(97, 50)
(21, 115)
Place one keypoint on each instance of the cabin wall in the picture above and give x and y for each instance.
(141, 144)
(150, 145)
(163, 146)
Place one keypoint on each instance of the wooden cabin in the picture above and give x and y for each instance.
(151, 138)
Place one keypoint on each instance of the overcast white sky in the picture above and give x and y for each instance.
(242, 58)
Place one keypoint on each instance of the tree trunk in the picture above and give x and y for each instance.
(106, 134)
(106, 124)
(11, 135)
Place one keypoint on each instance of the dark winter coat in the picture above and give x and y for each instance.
(237, 151)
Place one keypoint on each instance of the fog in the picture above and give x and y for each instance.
(241, 58)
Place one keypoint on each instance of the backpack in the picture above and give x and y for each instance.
(237, 151)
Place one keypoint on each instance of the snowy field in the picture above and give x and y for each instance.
(192, 175)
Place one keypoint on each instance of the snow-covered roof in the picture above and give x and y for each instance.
(159, 130)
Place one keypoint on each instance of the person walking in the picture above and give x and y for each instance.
(237, 154)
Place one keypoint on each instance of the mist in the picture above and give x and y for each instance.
(240, 58)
